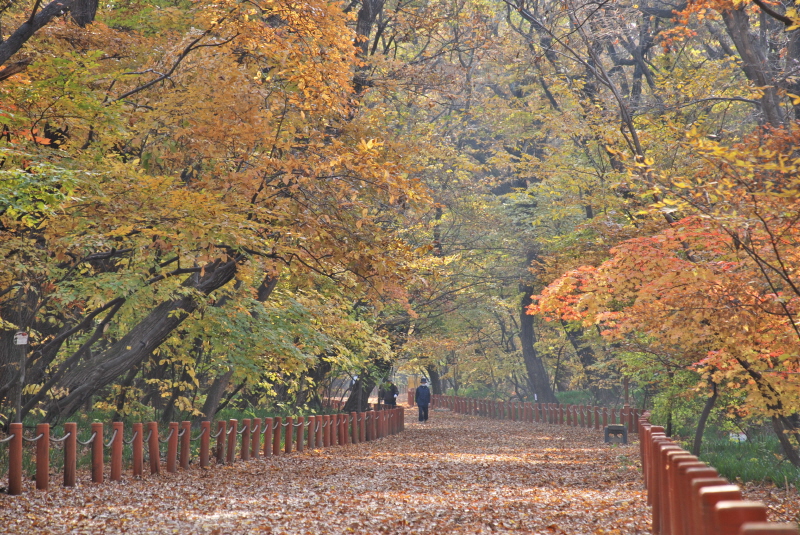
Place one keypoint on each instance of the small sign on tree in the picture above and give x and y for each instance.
(21, 338)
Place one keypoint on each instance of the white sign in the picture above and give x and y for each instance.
(21, 338)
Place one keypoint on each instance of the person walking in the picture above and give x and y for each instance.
(422, 397)
(390, 392)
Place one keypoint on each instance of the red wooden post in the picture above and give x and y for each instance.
(43, 456)
(186, 442)
(70, 453)
(673, 499)
(768, 528)
(374, 421)
(153, 451)
(137, 450)
(354, 427)
(730, 516)
(116, 450)
(679, 500)
(709, 497)
(362, 427)
(276, 437)
(97, 453)
(685, 476)
(255, 441)
(205, 443)
(311, 434)
(172, 448)
(334, 427)
(343, 434)
(288, 439)
(696, 510)
(326, 430)
(267, 437)
(15, 460)
(222, 433)
(244, 448)
(320, 431)
(301, 421)
(233, 431)
(661, 506)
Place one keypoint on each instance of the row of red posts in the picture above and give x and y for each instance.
(553, 413)
(688, 497)
(254, 439)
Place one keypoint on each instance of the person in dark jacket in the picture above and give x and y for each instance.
(422, 397)
(390, 392)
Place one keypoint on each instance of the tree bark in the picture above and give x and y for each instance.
(365, 384)
(701, 424)
(214, 395)
(538, 381)
(436, 380)
(754, 63)
(83, 381)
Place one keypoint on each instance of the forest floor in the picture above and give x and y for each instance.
(451, 475)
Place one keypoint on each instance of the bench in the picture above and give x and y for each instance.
(616, 434)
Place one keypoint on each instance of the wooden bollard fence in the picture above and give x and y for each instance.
(255, 439)
(354, 428)
(300, 426)
(326, 430)
(137, 450)
(232, 433)
(205, 443)
(222, 433)
(153, 450)
(267, 437)
(15, 459)
(42, 456)
(97, 453)
(70, 453)
(172, 448)
(244, 448)
(277, 426)
(304, 432)
(688, 497)
(117, 442)
(186, 442)
(288, 435)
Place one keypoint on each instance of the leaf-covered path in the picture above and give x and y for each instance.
(454, 474)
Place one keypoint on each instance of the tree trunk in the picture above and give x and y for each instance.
(83, 381)
(701, 424)
(754, 63)
(783, 428)
(436, 381)
(538, 381)
(214, 395)
(365, 384)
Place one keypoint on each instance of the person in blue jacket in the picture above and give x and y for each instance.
(422, 397)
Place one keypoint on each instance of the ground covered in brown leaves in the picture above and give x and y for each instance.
(452, 475)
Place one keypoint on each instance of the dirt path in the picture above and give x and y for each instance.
(453, 475)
